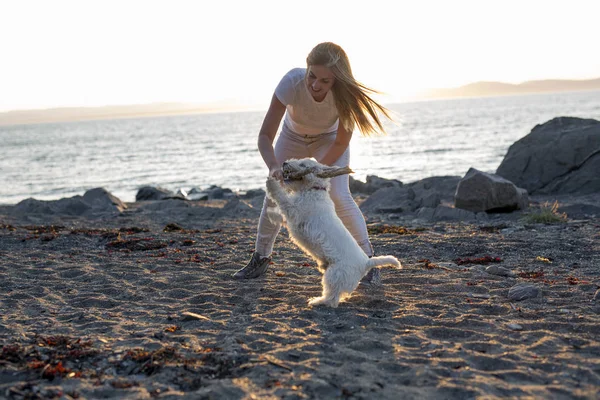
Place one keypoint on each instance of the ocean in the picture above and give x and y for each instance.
(428, 138)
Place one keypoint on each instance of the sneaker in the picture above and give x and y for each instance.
(373, 277)
(256, 267)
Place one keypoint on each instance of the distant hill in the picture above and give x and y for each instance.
(481, 89)
(106, 112)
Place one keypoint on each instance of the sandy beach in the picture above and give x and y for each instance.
(141, 304)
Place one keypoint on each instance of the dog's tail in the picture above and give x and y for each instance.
(382, 261)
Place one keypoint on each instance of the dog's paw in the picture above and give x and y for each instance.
(322, 301)
(315, 301)
(272, 184)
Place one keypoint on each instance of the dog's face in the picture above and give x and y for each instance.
(307, 172)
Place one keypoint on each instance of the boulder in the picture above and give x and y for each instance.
(236, 208)
(479, 191)
(94, 200)
(561, 156)
(196, 194)
(102, 200)
(153, 193)
(34, 206)
(213, 192)
(252, 193)
(68, 206)
(443, 187)
(75, 205)
(390, 200)
(373, 184)
(429, 198)
(255, 198)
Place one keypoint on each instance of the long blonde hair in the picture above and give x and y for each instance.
(352, 99)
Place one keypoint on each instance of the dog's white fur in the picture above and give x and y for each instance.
(315, 227)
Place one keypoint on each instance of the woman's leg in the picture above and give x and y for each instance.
(345, 206)
(286, 147)
(353, 219)
(347, 209)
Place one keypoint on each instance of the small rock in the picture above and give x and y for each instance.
(480, 295)
(381, 314)
(449, 265)
(522, 291)
(515, 327)
(172, 227)
(500, 271)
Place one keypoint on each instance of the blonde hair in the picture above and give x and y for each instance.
(352, 98)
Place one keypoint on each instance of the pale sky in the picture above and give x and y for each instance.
(88, 53)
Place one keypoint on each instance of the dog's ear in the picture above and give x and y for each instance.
(330, 172)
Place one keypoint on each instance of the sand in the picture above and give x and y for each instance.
(117, 306)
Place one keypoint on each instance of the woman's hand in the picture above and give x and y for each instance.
(276, 173)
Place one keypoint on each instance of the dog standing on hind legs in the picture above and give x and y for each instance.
(314, 226)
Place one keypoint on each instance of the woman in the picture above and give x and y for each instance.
(324, 103)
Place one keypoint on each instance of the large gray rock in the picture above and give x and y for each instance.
(211, 193)
(443, 187)
(394, 197)
(67, 206)
(561, 156)
(102, 200)
(252, 193)
(96, 200)
(236, 208)
(372, 184)
(390, 200)
(153, 193)
(75, 205)
(34, 206)
(479, 191)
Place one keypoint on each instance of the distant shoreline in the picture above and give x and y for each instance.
(472, 90)
(50, 116)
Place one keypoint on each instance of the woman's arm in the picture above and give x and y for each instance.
(338, 147)
(267, 134)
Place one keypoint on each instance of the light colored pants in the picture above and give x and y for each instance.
(293, 145)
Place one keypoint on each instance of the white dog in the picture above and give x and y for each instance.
(315, 227)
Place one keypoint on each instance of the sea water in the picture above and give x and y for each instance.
(428, 138)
